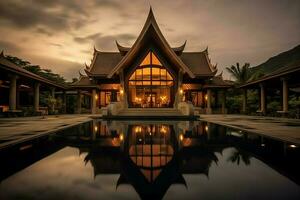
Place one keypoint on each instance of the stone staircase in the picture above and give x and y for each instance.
(153, 112)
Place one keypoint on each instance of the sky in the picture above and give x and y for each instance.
(61, 34)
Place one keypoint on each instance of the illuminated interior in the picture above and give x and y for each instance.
(150, 148)
(151, 85)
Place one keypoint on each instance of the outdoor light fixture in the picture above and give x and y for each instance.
(206, 97)
(262, 144)
(206, 128)
(181, 91)
(96, 128)
(121, 137)
(181, 137)
(96, 96)
(292, 146)
(163, 129)
(121, 91)
(138, 129)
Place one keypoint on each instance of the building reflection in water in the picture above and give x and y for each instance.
(152, 156)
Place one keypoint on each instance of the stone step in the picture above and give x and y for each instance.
(150, 112)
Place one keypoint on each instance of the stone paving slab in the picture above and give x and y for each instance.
(17, 130)
(278, 128)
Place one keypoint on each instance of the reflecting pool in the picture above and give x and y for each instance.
(151, 160)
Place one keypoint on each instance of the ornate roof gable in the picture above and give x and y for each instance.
(150, 25)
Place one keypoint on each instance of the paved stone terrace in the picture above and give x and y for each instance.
(278, 128)
(17, 130)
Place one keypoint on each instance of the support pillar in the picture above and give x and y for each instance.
(93, 101)
(13, 93)
(36, 104)
(285, 95)
(262, 98)
(53, 96)
(113, 96)
(223, 102)
(244, 108)
(79, 97)
(179, 93)
(208, 109)
(64, 99)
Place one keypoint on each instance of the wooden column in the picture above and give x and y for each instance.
(36, 104)
(123, 97)
(113, 97)
(79, 98)
(93, 101)
(178, 95)
(53, 96)
(208, 109)
(285, 95)
(13, 93)
(64, 99)
(223, 102)
(262, 98)
(244, 108)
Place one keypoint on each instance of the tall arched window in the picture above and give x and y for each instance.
(151, 85)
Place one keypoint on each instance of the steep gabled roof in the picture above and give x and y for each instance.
(199, 63)
(103, 63)
(132, 53)
(83, 82)
(123, 50)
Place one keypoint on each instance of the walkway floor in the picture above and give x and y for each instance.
(278, 128)
(17, 130)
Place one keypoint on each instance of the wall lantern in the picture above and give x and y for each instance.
(206, 97)
(181, 137)
(96, 96)
(121, 137)
(121, 91)
(206, 128)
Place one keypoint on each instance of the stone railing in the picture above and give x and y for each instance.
(114, 108)
(186, 108)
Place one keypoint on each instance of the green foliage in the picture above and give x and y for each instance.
(244, 74)
(273, 107)
(294, 107)
(240, 74)
(36, 69)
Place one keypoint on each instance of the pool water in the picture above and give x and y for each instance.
(151, 160)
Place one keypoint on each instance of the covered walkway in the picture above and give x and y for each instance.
(21, 89)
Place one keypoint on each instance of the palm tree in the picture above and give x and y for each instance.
(240, 74)
(237, 155)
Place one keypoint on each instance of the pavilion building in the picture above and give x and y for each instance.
(20, 90)
(151, 78)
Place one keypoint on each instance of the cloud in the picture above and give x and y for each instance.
(68, 29)
(47, 16)
(88, 38)
(9, 47)
(107, 42)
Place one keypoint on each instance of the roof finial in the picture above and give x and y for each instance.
(2, 54)
(206, 50)
(80, 74)
(220, 75)
(86, 66)
(95, 50)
